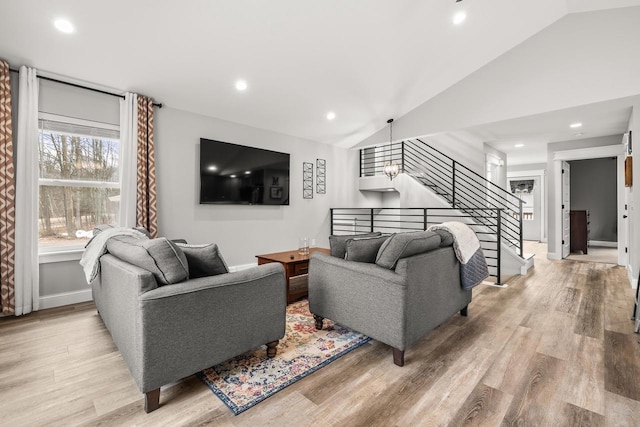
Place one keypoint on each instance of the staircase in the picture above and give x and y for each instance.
(463, 190)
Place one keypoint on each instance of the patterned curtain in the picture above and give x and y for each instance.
(7, 196)
(146, 211)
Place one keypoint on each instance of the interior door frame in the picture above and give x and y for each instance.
(540, 174)
(617, 150)
(565, 207)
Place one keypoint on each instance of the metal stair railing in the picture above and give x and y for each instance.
(460, 186)
(485, 222)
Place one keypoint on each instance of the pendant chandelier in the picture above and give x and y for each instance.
(391, 168)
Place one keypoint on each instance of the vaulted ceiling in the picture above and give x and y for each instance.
(364, 60)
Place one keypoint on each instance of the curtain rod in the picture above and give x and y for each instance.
(159, 105)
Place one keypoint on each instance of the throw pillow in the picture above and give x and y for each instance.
(160, 256)
(402, 245)
(204, 260)
(337, 244)
(364, 249)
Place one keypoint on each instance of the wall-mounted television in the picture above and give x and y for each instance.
(237, 174)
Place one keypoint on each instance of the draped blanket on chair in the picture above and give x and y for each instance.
(473, 265)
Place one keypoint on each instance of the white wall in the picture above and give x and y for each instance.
(527, 167)
(245, 231)
(581, 59)
(501, 170)
(241, 231)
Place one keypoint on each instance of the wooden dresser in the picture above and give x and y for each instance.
(579, 230)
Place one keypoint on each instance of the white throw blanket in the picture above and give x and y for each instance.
(465, 241)
(98, 247)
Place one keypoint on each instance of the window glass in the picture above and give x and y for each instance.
(78, 181)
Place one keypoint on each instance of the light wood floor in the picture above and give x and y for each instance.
(554, 348)
(597, 254)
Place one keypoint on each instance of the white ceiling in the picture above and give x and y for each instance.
(535, 132)
(366, 60)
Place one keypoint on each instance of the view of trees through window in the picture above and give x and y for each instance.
(78, 183)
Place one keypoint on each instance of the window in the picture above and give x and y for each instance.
(78, 181)
(523, 188)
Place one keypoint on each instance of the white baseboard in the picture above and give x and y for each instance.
(553, 255)
(632, 280)
(65, 298)
(603, 243)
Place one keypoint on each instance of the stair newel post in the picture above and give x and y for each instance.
(371, 220)
(402, 158)
(498, 243)
(331, 221)
(453, 184)
(426, 223)
(520, 216)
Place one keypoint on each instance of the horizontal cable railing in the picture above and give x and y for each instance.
(485, 222)
(460, 186)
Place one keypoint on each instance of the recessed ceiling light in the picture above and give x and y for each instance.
(241, 85)
(519, 145)
(232, 176)
(459, 18)
(389, 189)
(64, 26)
(212, 168)
(331, 115)
(247, 172)
(575, 125)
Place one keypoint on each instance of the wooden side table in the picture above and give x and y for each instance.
(296, 267)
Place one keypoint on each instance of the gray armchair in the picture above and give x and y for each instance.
(168, 332)
(396, 305)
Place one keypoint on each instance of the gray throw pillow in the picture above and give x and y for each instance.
(337, 244)
(160, 256)
(402, 245)
(364, 249)
(204, 260)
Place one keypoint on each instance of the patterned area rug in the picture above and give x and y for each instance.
(248, 379)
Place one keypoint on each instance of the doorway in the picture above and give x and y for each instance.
(560, 215)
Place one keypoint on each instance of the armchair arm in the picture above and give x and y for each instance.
(250, 275)
(196, 324)
(356, 268)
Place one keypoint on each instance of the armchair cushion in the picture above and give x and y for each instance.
(161, 257)
(402, 245)
(204, 260)
(337, 244)
(363, 249)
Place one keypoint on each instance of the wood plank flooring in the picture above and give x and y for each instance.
(555, 347)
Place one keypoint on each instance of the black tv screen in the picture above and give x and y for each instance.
(236, 174)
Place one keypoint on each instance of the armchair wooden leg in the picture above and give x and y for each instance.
(152, 400)
(398, 357)
(318, 320)
(465, 311)
(272, 349)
